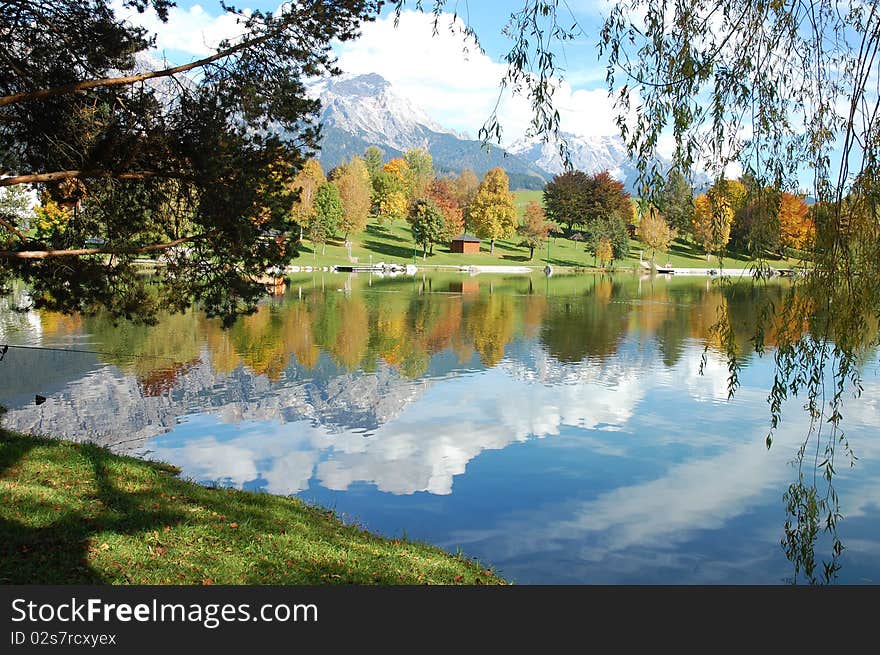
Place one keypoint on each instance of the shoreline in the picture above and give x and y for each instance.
(75, 513)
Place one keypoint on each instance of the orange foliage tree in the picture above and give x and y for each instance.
(796, 227)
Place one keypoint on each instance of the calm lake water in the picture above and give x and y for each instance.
(558, 429)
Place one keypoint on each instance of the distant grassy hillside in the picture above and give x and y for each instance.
(522, 197)
(394, 244)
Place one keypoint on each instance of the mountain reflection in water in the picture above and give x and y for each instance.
(558, 428)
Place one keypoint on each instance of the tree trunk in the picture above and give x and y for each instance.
(323, 248)
(531, 252)
(492, 246)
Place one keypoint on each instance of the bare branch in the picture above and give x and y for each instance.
(80, 252)
(85, 85)
(32, 178)
(9, 226)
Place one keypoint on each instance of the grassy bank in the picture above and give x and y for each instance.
(77, 514)
(394, 244)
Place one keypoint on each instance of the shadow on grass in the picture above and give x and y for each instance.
(388, 249)
(58, 552)
(501, 245)
(383, 232)
(516, 258)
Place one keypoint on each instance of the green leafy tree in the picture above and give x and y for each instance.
(418, 174)
(612, 228)
(16, 211)
(677, 202)
(755, 227)
(428, 227)
(374, 159)
(77, 105)
(328, 213)
(493, 211)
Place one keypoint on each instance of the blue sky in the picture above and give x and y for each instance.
(456, 85)
(458, 89)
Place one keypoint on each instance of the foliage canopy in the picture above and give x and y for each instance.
(192, 164)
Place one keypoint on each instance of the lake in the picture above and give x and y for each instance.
(556, 429)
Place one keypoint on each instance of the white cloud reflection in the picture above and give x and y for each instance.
(422, 450)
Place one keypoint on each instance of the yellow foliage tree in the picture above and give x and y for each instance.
(604, 252)
(493, 212)
(655, 233)
(50, 217)
(310, 177)
(712, 219)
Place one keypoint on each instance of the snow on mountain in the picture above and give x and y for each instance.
(589, 154)
(363, 110)
(358, 111)
(367, 106)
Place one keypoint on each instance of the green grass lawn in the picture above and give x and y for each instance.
(394, 244)
(76, 514)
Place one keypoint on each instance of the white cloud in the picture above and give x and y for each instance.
(460, 89)
(445, 73)
(193, 31)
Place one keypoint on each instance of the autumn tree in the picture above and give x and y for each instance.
(305, 183)
(535, 229)
(604, 253)
(493, 211)
(607, 197)
(712, 220)
(426, 221)
(735, 191)
(353, 181)
(442, 191)
(327, 215)
(167, 158)
(466, 186)
(566, 198)
(655, 233)
(389, 194)
(796, 226)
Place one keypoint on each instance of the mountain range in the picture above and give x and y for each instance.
(363, 110)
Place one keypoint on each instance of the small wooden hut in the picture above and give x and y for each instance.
(465, 244)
